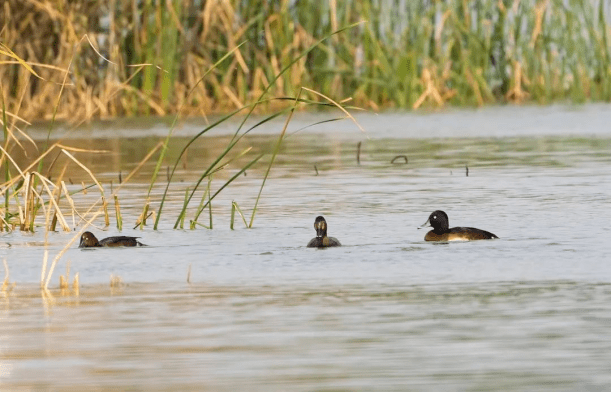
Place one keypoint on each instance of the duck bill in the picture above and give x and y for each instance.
(427, 224)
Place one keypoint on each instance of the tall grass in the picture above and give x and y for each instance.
(238, 135)
(408, 54)
(32, 191)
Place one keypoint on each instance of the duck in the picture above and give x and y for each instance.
(88, 239)
(322, 240)
(438, 220)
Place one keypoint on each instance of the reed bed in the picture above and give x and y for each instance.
(28, 192)
(129, 58)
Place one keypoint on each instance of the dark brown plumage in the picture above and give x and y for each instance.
(438, 220)
(89, 240)
(322, 240)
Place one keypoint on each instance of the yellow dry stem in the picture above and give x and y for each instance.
(66, 247)
(5, 283)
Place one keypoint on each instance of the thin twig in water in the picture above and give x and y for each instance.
(467, 171)
(142, 222)
(358, 153)
(316, 170)
(398, 157)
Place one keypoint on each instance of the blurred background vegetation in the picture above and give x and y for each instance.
(406, 54)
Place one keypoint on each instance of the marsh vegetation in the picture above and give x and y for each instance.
(127, 58)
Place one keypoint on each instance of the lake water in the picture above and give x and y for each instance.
(387, 311)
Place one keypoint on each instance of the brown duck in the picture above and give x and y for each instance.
(89, 240)
(322, 240)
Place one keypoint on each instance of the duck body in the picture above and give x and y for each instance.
(322, 240)
(441, 232)
(88, 239)
(459, 233)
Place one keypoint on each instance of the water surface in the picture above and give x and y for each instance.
(387, 311)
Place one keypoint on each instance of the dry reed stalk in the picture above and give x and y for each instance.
(63, 284)
(11, 137)
(8, 52)
(70, 202)
(78, 149)
(3, 221)
(82, 217)
(159, 145)
(85, 169)
(66, 247)
(34, 210)
(461, 32)
(6, 282)
(68, 271)
(45, 182)
(27, 169)
(43, 270)
(27, 196)
(21, 174)
(104, 203)
(50, 227)
(48, 299)
(57, 189)
(115, 281)
(431, 90)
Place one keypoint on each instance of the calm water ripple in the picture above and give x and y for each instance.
(387, 311)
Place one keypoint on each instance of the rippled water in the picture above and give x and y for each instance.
(387, 311)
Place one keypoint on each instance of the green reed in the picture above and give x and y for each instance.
(202, 206)
(406, 54)
(236, 208)
(238, 135)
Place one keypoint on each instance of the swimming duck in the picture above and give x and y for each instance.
(89, 240)
(438, 220)
(322, 240)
